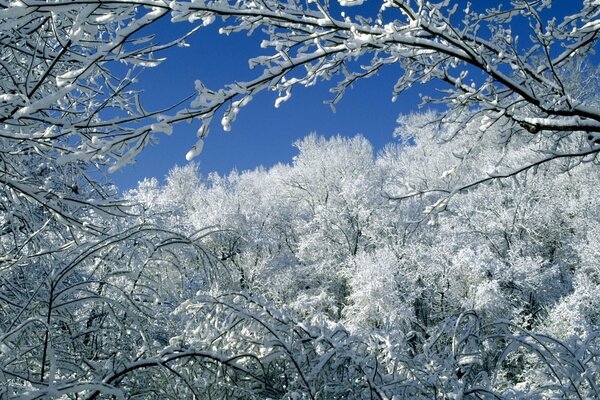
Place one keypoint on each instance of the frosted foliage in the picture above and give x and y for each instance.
(66, 103)
(488, 299)
(515, 84)
(459, 263)
(148, 191)
(532, 274)
(472, 269)
(380, 297)
(589, 253)
(314, 272)
(180, 180)
(474, 288)
(576, 315)
(334, 178)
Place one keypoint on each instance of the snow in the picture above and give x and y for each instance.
(351, 3)
(162, 127)
(284, 98)
(69, 77)
(195, 151)
(382, 272)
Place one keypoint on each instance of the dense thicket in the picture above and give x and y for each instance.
(312, 280)
(494, 294)
(460, 263)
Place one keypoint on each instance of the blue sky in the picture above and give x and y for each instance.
(262, 134)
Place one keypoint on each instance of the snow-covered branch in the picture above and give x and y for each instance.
(429, 41)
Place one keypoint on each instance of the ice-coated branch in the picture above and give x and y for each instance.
(587, 154)
(429, 41)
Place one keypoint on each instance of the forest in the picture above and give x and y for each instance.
(461, 261)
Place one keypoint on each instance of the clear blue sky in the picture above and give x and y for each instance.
(262, 134)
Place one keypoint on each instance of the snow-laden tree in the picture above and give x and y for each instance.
(79, 289)
(93, 304)
(491, 298)
(65, 107)
(459, 303)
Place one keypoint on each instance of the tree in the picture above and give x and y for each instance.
(67, 106)
(76, 275)
(492, 298)
(94, 303)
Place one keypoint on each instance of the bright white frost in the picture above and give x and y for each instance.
(494, 294)
(254, 284)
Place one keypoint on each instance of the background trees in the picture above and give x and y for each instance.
(327, 278)
(481, 299)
